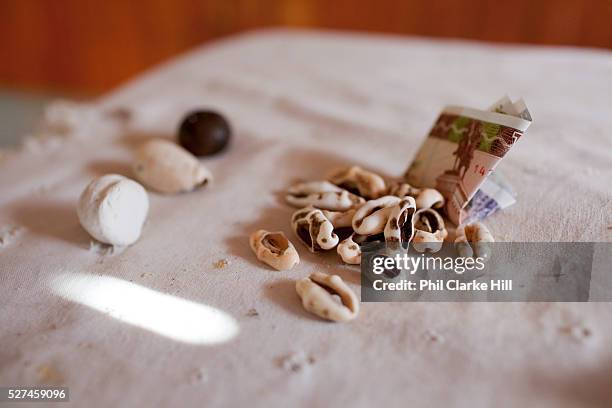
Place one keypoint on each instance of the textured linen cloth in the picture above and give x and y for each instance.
(77, 314)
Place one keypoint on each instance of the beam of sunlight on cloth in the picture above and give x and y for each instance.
(167, 315)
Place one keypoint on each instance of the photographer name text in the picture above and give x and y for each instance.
(443, 285)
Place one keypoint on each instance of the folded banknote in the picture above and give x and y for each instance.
(461, 151)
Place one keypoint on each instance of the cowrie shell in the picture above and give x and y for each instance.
(168, 168)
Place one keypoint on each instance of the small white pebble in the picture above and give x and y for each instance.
(113, 209)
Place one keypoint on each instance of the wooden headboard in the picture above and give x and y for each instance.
(91, 46)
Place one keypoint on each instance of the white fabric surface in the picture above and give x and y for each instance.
(301, 103)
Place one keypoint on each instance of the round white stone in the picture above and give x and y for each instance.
(113, 209)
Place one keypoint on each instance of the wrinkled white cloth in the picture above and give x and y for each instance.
(188, 317)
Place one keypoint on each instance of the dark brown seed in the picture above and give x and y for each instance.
(204, 133)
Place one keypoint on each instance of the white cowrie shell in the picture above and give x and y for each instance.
(349, 251)
(316, 294)
(168, 168)
(401, 189)
(327, 200)
(113, 209)
(372, 217)
(314, 229)
(274, 249)
(312, 187)
(359, 181)
(400, 227)
(429, 198)
(322, 195)
(430, 230)
(340, 219)
(471, 240)
(425, 197)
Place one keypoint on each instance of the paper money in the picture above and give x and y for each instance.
(462, 149)
(493, 195)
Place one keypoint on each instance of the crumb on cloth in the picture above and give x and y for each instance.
(48, 374)
(9, 233)
(576, 332)
(220, 264)
(199, 376)
(296, 361)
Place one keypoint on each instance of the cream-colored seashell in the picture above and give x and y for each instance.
(274, 249)
(168, 168)
(471, 240)
(322, 195)
(400, 227)
(424, 197)
(430, 230)
(359, 181)
(327, 200)
(429, 198)
(372, 217)
(402, 189)
(316, 294)
(349, 251)
(113, 209)
(340, 219)
(314, 229)
(312, 187)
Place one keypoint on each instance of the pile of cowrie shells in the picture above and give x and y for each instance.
(354, 206)
(351, 207)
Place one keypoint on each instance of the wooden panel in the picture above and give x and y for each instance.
(92, 46)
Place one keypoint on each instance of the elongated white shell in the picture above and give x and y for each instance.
(328, 200)
(429, 198)
(472, 240)
(316, 297)
(274, 249)
(402, 189)
(349, 251)
(372, 217)
(168, 168)
(340, 219)
(400, 226)
(113, 209)
(359, 181)
(314, 229)
(323, 195)
(430, 230)
(311, 187)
